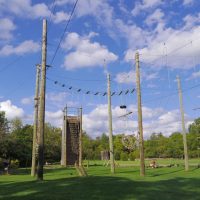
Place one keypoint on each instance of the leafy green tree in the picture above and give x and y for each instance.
(87, 145)
(156, 146)
(52, 143)
(4, 128)
(22, 138)
(16, 124)
(104, 142)
(195, 127)
(118, 146)
(193, 138)
(175, 145)
(124, 156)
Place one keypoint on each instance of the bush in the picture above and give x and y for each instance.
(1, 164)
(117, 155)
(14, 164)
(132, 156)
(124, 156)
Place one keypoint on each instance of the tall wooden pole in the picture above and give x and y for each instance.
(63, 147)
(80, 137)
(112, 164)
(42, 105)
(183, 124)
(35, 128)
(65, 138)
(140, 126)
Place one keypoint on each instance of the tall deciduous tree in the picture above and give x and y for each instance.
(3, 125)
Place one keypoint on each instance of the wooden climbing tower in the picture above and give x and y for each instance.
(72, 137)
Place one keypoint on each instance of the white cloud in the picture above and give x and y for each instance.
(24, 8)
(59, 100)
(123, 7)
(130, 77)
(6, 28)
(126, 77)
(11, 110)
(55, 118)
(60, 17)
(56, 97)
(84, 52)
(194, 75)
(191, 21)
(155, 17)
(27, 100)
(27, 46)
(136, 37)
(154, 120)
(63, 2)
(188, 2)
(164, 43)
(100, 9)
(145, 5)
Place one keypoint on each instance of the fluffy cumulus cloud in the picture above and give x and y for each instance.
(11, 110)
(188, 2)
(83, 52)
(155, 17)
(59, 100)
(56, 97)
(166, 45)
(145, 5)
(63, 2)
(191, 20)
(24, 8)
(27, 100)
(153, 42)
(100, 9)
(130, 77)
(136, 36)
(55, 118)
(60, 17)
(6, 28)
(155, 121)
(27, 46)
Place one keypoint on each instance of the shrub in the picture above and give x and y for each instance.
(117, 155)
(124, 156)
(14, 164)
(1, 164)
(132, 156)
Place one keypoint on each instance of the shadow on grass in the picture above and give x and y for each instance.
(101, 188)
(27, 171)
(161, 173)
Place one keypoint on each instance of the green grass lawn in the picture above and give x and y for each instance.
(63, 183)
(159, 161)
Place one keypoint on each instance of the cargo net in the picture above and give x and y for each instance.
(130, 142)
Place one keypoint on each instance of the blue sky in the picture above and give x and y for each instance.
(102, 37)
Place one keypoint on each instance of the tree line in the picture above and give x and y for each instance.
(16, 143)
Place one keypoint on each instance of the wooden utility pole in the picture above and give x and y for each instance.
(112, 164)
(64, 151)
(35, 128)
(80, 136)
(140, 126)
(183, 124)
(41, 124)
(64, 139)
